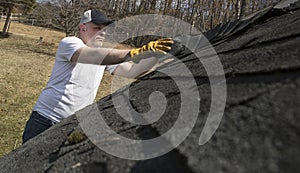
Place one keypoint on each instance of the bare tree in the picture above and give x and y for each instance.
(26, 5)
(64, 14)
(242, 8)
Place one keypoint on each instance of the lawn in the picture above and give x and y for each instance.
(26, 64)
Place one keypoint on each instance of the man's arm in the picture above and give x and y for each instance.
(132, 70)
(109, 56)
(100, 56)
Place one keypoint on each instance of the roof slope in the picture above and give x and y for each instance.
(260, 129)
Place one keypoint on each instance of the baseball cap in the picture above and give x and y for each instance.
(95, 16)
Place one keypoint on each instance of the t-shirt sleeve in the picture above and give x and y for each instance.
(67, 47)
(111, 68)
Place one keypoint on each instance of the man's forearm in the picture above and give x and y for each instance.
(132, 70)
(100, 56)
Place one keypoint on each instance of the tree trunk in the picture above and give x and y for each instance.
(152, 5)
(5, 27)
(242, 8)
(237, 7)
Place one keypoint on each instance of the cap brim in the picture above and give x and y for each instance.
(103, 22)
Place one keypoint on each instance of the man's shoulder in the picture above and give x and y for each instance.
(71, 39)
(71, 42)
(67, 47)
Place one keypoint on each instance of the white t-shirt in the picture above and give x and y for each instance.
(72, 86)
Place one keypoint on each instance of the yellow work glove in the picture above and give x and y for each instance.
(162, 45)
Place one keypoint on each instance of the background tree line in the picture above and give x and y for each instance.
(202, 14)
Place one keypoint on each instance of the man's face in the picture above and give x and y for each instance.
(95, 34)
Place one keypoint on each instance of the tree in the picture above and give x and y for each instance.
(63, 14)
(242, 8)
(25, 5)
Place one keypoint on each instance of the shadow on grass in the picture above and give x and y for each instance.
(4, 34)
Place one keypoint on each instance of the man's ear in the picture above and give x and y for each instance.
(82, 27)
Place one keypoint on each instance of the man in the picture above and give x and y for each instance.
(79, 66)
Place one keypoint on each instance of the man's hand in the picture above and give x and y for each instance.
(161, 45)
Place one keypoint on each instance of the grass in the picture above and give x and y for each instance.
(26, 65)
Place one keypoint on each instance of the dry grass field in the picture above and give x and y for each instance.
(25, 67)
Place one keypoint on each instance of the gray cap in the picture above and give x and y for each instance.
(95, 16)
